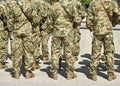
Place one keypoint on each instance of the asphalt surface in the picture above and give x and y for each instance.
(82, 66)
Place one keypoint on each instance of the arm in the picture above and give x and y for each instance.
(79, 14)
(90, 18)
(116, 14)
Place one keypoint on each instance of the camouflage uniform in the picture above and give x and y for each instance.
(3, 37)
(21, 39)
(77, 34)
(38, 14)
(63, 35)
(35, 37)
(99, 22)
(118, 1)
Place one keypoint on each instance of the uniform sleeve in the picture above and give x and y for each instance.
(116, 8)
(116, 14)
(90, 18)
(27, 9)
(81, 10)
(48, 24)
(77, 14)
(3, 18)
(1, 12)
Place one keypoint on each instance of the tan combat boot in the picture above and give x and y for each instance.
(92, 77)
(15, 75)
(53, 76)
(76, 58)
(71, 76)
(111, 76)
(45, 59)
(29, 74)
(3, 66)
(36, 65)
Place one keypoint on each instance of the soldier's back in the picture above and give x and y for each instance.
(62, 16)
(16, 18)
(102, 23)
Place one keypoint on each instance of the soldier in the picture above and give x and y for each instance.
(35, 37)
(3, 36)
(37, 15)
(118, 1)
(21, 39)
(63, 15)
(99, 18)
(77, 34)
(76, 31)
(44, 12)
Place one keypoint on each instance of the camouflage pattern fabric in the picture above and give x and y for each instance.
(21, 30)
(42, 10)
(38, 12)
(97, 43)
(62, 32)
(77, 34)
(100, 24)
(97, 19)
(3, 34)
(3, 43)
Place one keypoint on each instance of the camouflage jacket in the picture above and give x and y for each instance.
(79, 9)
(2, 16)
(98, 20)
(64, 14)
(37, 12)
(3, 26)
(16, 21)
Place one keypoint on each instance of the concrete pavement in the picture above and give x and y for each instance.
(82, 65)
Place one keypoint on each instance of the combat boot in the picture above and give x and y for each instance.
(36, 65)
(3, 66)
(29, 74)
(71, 76)
(45, 59)
(76, 58)
(92, 77)
(53, 76)
(111, 76)
(15, 75)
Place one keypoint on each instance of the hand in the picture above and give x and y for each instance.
(91, 34)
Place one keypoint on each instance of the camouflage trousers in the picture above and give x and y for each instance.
(38, 38)
(36, 46)
(76, 42)
(44, 41)
(22, 51)
(57, 43)
(107, 42)
(3, 46)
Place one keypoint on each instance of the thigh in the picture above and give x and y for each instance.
(108, 43)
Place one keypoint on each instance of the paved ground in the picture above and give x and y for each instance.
(42, 79)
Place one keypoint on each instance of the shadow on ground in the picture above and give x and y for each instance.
(117, 62)
(60, 71)
(85, 66)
